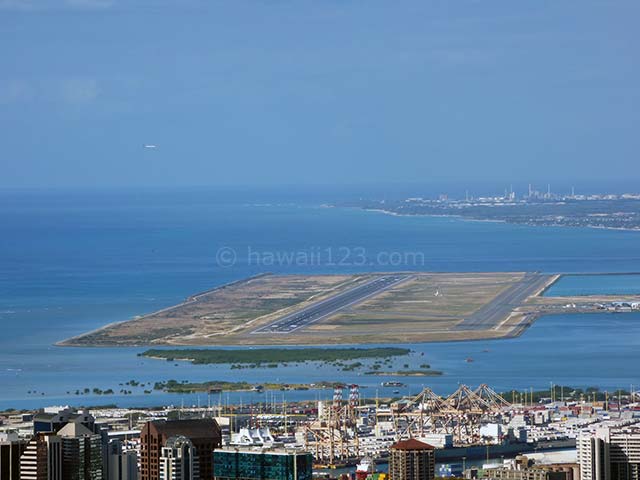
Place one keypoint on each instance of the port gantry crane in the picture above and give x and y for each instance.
(460, 414)
(333, 437)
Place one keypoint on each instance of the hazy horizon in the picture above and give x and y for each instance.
(103, 93)
(300, 194)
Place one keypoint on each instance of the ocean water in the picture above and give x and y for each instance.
(71, 262)
(576, 285)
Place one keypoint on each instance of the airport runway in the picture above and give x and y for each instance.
(325, 308)
(503, 305)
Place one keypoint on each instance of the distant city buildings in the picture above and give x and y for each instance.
(609, 454)
(121, 444)
(531, 207)
(411, 460)
(531, 195)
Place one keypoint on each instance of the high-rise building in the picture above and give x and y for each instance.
(42, 458)
(121, 464)
(204, 434)
(234, 463)
(609, 454)
(11, 448)
(76, 448)
(81, 452)
(411, 460)
(179, 460)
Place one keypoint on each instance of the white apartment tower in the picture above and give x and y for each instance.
(179, 460)
(609, 454)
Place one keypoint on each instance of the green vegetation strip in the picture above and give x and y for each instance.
(273, 355)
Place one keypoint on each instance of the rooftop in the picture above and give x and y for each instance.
(197, 428)
(259, 450)
(411, 444)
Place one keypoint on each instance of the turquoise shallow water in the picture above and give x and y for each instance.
(73, 262)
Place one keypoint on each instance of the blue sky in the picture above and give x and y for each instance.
(317, 92)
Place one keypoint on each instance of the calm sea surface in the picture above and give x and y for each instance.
(595, 284)
(73, 262)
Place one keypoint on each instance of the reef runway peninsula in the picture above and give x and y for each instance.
(368, 308)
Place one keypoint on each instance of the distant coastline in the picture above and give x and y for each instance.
(494, 220)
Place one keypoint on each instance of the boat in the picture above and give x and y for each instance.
(393, 384)
(365, 468)
(469, 360)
